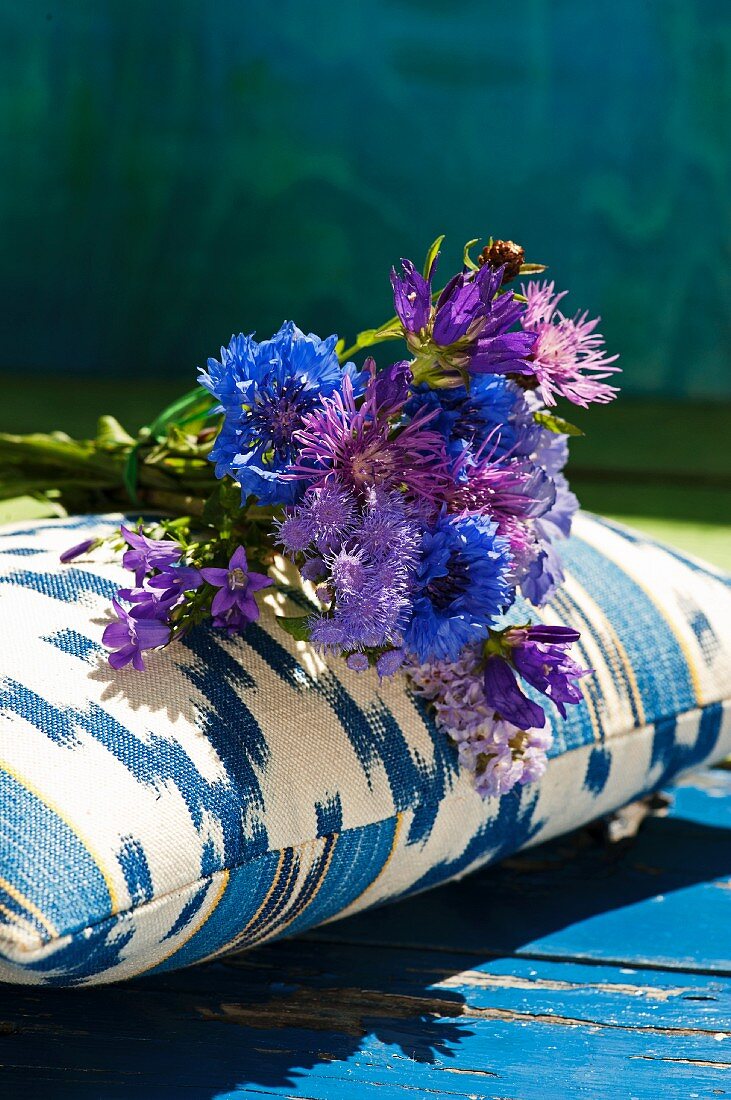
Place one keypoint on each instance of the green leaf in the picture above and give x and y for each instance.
(467, 259)
(388, 332)
(365, 338)
(296, 625)
(432, 255)
(195, 403)
(129, 474)
(532, 269)
(110, 435)
(556, 424)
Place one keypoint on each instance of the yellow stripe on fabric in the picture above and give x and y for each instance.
(394, 843)
(70, 825)
(617, 642)
(662, 609)
(300, 906)
(225, 879)
(241, 935)
(31, 907)
(289, 883)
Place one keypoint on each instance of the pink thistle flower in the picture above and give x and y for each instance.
(568, 358)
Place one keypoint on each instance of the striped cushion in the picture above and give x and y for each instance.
(243, 790)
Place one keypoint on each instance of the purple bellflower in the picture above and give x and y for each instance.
(467, 331)
(130, 636)
(509, 702)
(78, 551)
(146, 554)
(540, 655)
(234, 605)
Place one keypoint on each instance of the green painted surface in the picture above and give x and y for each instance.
(178, 169)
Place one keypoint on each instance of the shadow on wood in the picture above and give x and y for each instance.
(558, 961)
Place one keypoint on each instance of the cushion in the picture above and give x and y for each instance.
(243, 789)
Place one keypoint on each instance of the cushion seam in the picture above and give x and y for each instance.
(36, 942)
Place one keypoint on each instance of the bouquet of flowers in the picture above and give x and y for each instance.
(418, 499)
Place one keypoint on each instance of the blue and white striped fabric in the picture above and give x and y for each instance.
(243, 790)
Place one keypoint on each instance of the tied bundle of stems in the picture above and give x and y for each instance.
(164, 468)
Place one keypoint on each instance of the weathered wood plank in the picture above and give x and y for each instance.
(458, 1010)
(315, 1020)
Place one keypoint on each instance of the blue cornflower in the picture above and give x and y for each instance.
(492, 415)
(265, 390)
(462, 585)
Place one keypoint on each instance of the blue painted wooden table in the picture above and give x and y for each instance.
(579, 969)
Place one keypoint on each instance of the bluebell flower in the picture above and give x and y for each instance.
(504, 695)
(540, 654)
(265, 390)
(129, 636)
(146, 554)
(462, 585)
(470, 329)
(234, 605)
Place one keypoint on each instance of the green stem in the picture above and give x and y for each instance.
(369, 337)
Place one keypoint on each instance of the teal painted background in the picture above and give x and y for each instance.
(177, 169)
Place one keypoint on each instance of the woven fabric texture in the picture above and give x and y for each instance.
(243, 789)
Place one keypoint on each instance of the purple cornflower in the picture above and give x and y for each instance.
(539, 653)
(146, 554)
(234, 605)
(129, 636)
(506, 698)
(77, 551)
(568, 358)
(514, 493)
(468, 330)
(516, 488)
(363, 450)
